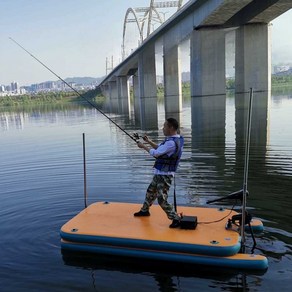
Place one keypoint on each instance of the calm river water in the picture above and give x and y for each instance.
(41, 188)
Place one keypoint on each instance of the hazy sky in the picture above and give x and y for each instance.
(74, 37)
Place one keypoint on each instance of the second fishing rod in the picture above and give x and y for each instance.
(135, 137)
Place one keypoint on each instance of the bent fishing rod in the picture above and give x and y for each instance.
(135, 138)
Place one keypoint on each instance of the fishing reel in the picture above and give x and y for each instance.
(235, 224)
(137, 136)
(237, 220)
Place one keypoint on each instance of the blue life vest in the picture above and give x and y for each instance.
(170, 163)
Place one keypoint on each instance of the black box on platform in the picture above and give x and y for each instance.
(188, 222)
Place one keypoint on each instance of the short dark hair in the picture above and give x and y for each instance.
(172, 123)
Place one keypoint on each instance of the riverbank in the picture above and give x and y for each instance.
(279, 84)
(48, 98)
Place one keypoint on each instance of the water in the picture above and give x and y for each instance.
(42, 188)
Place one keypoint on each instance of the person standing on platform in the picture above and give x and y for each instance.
(167, 154)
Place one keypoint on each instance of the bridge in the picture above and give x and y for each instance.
(205, 24)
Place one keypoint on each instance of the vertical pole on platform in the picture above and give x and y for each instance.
(247, 146)
(174, 195)
(84, 172)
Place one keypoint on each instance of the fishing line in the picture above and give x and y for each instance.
(79, 94)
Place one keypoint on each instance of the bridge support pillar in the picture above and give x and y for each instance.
(172, 81)
(136, 96)
(147, 87)
(124, 94)
(105, 90)
(253, 58)
(208, 62)
(113, 94)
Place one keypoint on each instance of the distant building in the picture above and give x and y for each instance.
(284, 73)
(34, 87)
(14, 87)
(22, 90)
(84, 83)
(47, 86)
(281, 68)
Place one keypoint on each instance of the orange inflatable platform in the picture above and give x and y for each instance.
(111, 228)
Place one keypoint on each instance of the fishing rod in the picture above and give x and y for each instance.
(79, 94)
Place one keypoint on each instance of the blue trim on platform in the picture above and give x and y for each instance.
(255, 228)
(213, 250)
(252, 264)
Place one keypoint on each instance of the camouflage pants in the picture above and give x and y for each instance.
(159, 188)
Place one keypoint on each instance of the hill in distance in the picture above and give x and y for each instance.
(84, 80)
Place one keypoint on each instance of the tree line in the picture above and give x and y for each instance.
(48, 98)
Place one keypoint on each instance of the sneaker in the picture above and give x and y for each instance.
(175, 223)
(142, 213)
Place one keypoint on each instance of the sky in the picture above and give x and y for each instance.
(74, 37)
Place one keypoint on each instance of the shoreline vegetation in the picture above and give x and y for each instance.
(279, 84)
(46, 98)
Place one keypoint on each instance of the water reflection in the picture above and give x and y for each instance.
(208, 122)
(166, 276)
(259, 126)
(207, 161)
(15, 118)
